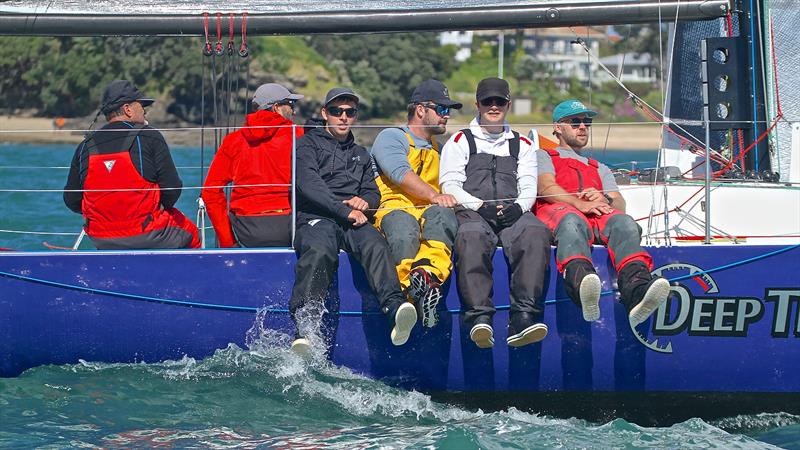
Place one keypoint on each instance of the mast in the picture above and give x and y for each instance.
(28, 21)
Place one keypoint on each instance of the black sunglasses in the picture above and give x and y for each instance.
(336, 111)
(576, 122)
(441, 110)
(491, 101)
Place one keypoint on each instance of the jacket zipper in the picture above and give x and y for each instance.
(494, 177)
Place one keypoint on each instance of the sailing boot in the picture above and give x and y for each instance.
(482, 333)
(524, 330)
(426, 291)
(640, 292)
(583, 287)
(404, 317)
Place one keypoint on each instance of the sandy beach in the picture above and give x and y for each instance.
(42, 130)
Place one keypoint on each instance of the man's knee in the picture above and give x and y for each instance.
(440, 224)
(572, 226)
(622, 225)
(474, 237)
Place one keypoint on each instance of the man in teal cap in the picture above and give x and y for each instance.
(580, 202)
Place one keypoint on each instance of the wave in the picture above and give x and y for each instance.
(265, 395)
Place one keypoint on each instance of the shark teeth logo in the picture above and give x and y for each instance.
(704, 280)
(110, 164)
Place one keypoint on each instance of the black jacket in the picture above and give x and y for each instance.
(328, 172)
(154, 162)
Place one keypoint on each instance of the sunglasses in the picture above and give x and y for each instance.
(336, 111)
(576, 122)
(492, 101)
(440, 110)
(290, 103)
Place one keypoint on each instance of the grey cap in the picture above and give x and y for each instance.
(268, 94)
(338, 92)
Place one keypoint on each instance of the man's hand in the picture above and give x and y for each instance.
(509, 215)
(357, 203)
(357, 217)
(597, 208)
(444, 200)
(489, 212)
(592, 195)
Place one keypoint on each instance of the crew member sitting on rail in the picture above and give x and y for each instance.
(417, 220)
(122, 179)
(336, 189)
(491, 171)
(257, 159)
(580, 202)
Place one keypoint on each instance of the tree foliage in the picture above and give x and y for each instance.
(384, 68)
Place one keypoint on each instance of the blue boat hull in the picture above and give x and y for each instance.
(731, 326)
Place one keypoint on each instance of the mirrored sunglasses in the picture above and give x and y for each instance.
(440, 110)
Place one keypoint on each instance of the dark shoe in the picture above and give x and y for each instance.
(405, 317)
(583, 286)
(426, 291)
(523, 330)
(655, 295)
(640, 292)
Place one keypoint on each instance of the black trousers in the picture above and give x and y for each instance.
(262, 231)
(526, 245)
(318, 248)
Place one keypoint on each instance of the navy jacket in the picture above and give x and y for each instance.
(328, 172)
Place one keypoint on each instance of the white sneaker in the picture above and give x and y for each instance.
(656, 294)
(482, 335)
(404, 320)
(590, 297)
(301, 347)
(530, 335)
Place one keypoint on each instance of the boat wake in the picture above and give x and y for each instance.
(265, 395)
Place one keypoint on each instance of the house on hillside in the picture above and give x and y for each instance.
(558, 50)
(461, 39)
(630, 67)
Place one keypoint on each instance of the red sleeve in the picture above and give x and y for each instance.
(220, 173)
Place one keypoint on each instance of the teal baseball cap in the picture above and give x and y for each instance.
(571, 107)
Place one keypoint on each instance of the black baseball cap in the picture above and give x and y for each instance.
(434, 91)
(339, 92)
(119, 92)
(493, 87)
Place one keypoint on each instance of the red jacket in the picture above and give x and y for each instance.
(251, 156)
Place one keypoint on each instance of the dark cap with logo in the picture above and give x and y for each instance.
(434, 91)
(493, 87)
(339, 92)
(120, 92)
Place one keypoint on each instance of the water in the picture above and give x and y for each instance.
(264, 396)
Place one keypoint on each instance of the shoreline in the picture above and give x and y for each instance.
(38, 130)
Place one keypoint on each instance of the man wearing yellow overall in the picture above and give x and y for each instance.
(417, 220)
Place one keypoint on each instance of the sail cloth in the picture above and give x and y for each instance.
(780, 27)
(181, 17)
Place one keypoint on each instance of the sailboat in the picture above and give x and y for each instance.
(727, 342)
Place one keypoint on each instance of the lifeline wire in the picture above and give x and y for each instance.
(341, 313)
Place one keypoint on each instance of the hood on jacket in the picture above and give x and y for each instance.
(272, 122)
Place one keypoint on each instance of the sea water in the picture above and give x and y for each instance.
(263, 395)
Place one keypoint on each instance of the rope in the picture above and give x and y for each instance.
(215, 306)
